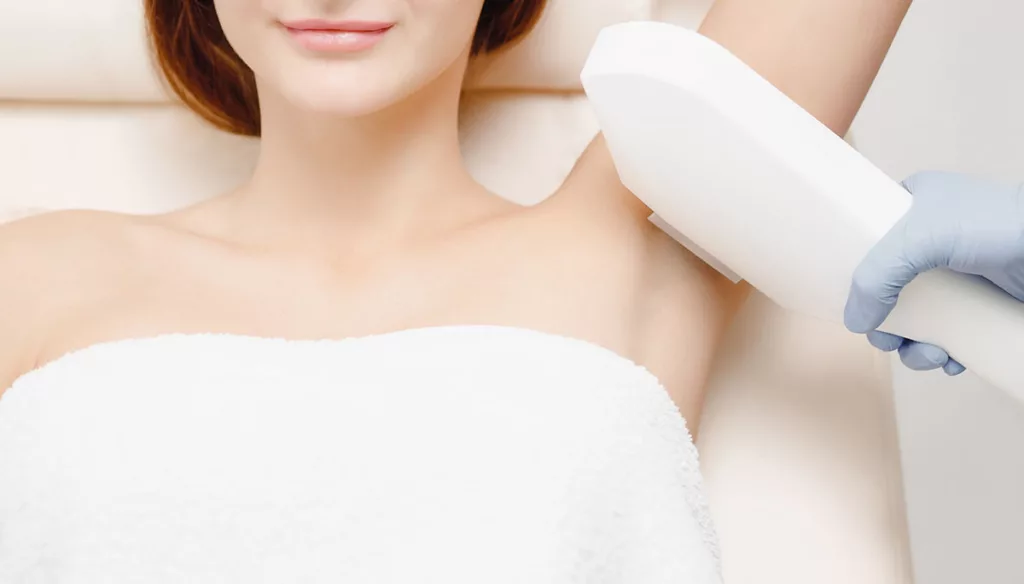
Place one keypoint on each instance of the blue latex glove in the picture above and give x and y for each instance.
(957, 221)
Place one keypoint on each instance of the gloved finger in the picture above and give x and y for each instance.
(1010, 280)
(953, 367)
(936, 181)
(884, 341)
(922, 356)
(942, 182)
(876, 284)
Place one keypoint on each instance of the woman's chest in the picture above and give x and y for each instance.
(609, 291)
(569, 287)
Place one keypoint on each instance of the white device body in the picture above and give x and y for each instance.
(767, 193)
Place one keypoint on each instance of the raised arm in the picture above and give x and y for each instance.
(823, 54)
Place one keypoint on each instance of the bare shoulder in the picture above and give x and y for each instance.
(62, 245)
(49, 263)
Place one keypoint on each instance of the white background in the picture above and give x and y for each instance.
(951, 96)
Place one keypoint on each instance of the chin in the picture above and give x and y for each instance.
(350, 89)
(342, 95)
(352, 104)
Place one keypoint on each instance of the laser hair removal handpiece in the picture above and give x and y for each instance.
(767, 192)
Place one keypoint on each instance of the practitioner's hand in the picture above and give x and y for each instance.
(957, 221)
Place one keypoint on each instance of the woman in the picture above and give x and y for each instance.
(360, 365)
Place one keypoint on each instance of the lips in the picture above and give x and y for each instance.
(322, 36)
(352, 26)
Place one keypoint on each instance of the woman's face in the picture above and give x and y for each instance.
(348, 57)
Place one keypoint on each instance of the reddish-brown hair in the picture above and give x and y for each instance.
(205, 72)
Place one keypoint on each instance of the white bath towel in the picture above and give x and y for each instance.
(457, 454)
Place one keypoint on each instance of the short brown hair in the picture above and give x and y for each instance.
(205, 72)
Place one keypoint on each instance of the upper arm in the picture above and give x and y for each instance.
(824, 54)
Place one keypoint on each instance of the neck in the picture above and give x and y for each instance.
(373, 178)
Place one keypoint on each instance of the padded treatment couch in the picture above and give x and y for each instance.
(798, 441)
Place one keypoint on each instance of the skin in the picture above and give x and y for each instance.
(361, 218)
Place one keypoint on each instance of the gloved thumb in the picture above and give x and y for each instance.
(877, 283)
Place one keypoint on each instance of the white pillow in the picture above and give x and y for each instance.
(8, 214)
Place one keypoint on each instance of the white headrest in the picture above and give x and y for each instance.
(69, 50)
(95, 50)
